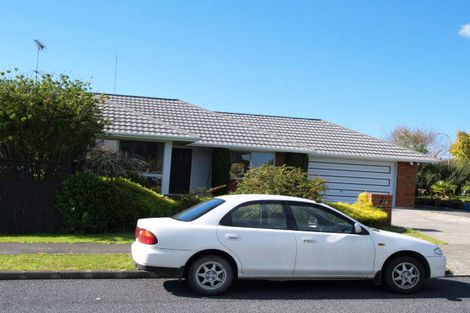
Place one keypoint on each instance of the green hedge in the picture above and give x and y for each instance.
(441, 203)
(93, 204)
(365, 214)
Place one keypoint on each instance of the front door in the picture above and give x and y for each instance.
(258, 235)
(326, 244)
(180, 173)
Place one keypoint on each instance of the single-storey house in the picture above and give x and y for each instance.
(177, 139)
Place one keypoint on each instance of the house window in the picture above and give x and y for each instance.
(262, 158)
(243, 161)
(151, 152)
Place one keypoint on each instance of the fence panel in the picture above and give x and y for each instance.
(28, 195)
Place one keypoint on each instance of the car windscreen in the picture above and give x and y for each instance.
(198, 210)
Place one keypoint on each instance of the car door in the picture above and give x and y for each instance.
(327, 245)
(257, 233)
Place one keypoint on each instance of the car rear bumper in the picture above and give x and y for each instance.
(437, 266)
(163, 272)
(149, 256)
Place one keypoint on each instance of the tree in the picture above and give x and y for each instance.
(51, 119)
(417, 139)
(461, 148)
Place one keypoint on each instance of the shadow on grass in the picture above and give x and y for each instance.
(450, 289)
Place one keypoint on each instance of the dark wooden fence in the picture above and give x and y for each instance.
(28, 195)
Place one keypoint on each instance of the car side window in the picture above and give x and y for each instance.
(314, 218)
(259, 215)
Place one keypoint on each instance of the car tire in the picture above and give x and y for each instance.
(210, 275)
(404, 274)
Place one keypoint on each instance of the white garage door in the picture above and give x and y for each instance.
(346, 179)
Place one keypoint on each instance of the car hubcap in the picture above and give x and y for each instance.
(405, 275)
(210, 275)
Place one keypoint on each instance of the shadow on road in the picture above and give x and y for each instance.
(450, 289)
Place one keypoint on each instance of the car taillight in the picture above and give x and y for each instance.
(144, 236)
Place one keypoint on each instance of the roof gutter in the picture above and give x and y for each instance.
(375, 158)
(251, 148)
(117, 135)
(319, 154)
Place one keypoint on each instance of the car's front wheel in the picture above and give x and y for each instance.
(404, 274)
(210, 275)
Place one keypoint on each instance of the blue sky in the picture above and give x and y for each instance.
(367, 65)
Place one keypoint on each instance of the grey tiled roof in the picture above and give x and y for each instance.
(210, 128)
(172, 118)
(327, 138)
(125, 121)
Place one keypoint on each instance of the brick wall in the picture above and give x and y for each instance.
(384, 202)
(406, 185)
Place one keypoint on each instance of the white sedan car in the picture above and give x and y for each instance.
(279, 237)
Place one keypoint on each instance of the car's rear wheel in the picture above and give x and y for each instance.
(404, 274)
(210, 275)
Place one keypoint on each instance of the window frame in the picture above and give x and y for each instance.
(226, 220)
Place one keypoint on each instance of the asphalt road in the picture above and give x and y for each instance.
(452, 226)
(171, 296)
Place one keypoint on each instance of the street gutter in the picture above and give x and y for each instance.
(22, 275)
(26, 275)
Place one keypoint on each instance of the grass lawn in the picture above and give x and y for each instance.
(414, 233)
(65, 262)
(118, 238)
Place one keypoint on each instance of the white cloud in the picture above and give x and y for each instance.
(465, 31)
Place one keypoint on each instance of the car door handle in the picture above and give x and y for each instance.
(232, 236)
(308, 239)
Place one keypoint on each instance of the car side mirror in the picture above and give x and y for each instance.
(357, 228)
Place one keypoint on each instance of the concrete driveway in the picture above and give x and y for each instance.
(452, 227)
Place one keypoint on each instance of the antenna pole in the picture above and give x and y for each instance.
(40, 47)
(115, 72)
(37, 66)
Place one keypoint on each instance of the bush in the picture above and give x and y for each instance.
(103, 161)
(363, 199)
(281, 180)
(457, 174)
(365, 214)
(444, 188)
(466, 189)
(92, 204)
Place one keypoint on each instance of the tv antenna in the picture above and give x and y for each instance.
(40, 47)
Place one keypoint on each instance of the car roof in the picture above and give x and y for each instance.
(258, 197)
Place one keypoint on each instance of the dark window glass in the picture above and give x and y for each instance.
(240, 164)
(151, 152)
(313, 218)
(259, 215)
(198, 210)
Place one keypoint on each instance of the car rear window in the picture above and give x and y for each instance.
(198, 210)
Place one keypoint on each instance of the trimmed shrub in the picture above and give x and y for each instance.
(365, 214)
(92, 204)
(281, 180)
(363, 199)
